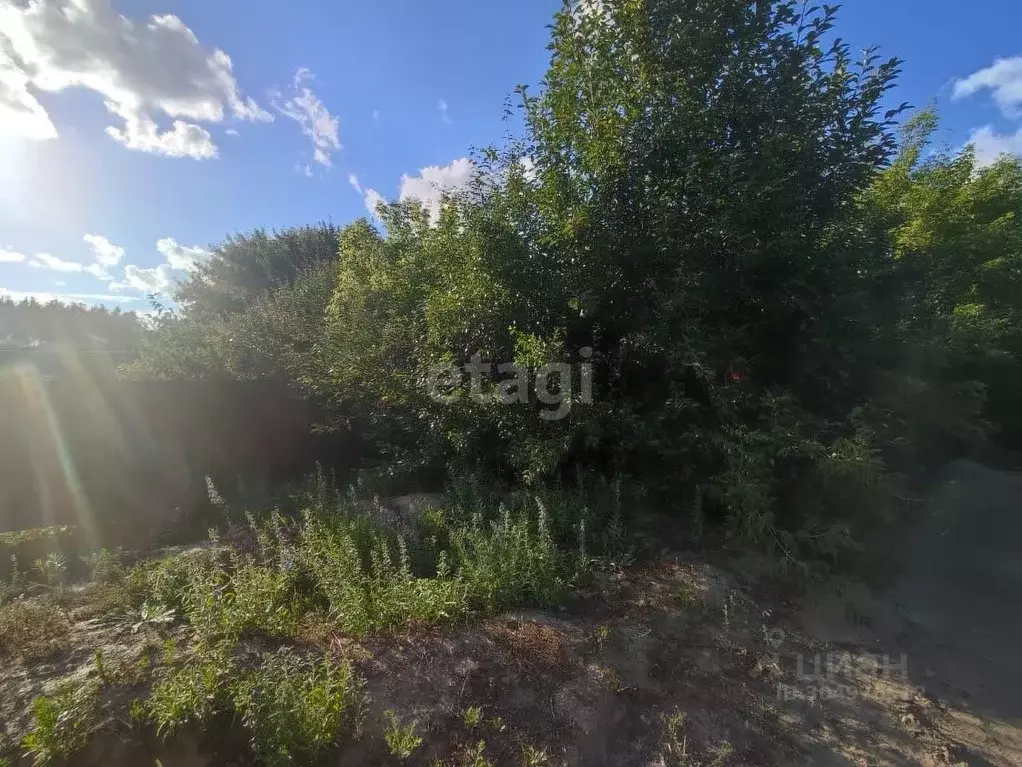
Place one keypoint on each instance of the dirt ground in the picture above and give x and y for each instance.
(922, 671)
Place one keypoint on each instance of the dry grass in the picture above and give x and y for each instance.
(534, 647)
(33, 631)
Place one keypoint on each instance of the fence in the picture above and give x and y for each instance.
(116, 458)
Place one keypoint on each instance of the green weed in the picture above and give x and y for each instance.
(295, 708)
(534, 757)
(195, 693)
(401, 740)
(61, 723)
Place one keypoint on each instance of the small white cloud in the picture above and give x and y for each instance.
(141, 69)
(353, 180)
(1003, 78)
(11, 257)
(433, 182)
(153, 280)
(442, 106)
(376, 114)
(373, 201)
(59, 284)
(107, 254)
(990, 145)
(231, 132)
(315, 120)
(181, 140)
(47, 261)
(179, 256)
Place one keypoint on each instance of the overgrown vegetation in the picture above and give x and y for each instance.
(783, 311)
(772, 309)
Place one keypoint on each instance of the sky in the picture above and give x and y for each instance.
(136, 134)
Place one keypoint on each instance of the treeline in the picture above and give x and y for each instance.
(781, 306)
(31, 324)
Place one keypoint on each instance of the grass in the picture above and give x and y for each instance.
(676, 751)
(33, 630)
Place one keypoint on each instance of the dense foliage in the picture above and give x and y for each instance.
(770, 309)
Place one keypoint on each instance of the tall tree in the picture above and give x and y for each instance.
(247, 266)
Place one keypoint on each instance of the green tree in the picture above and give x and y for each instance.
(955, 232)
(246, 266)
(686, 201)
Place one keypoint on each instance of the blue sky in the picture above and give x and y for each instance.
(318, 91)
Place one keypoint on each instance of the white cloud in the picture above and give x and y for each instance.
(181, 140)
(152, 280)
(180, 256)
(353, 180)
(231, 132)
(11, 257)
(1004, 78)
(64, 298)
(47, 261)
(21, 114)
(434, 181)
(316, 122)
(98, 271)
(991, 145)
(141, 69)
(107, 254)
(373, 200)
(442, 106)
